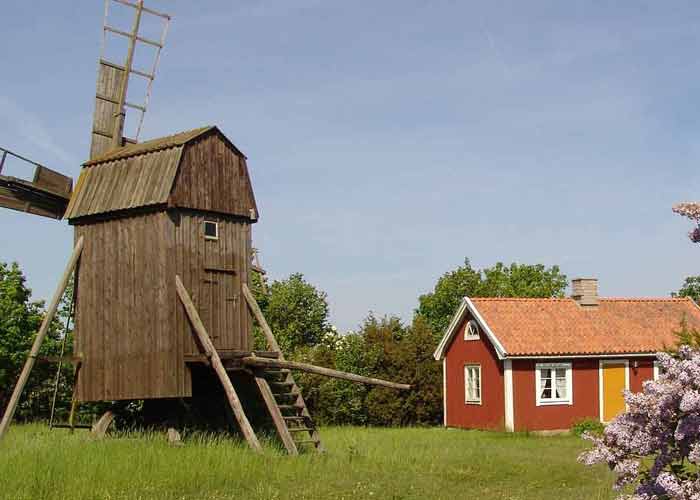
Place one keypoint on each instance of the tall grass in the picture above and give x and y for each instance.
(411, 463)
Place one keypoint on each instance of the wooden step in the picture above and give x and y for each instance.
(286, 394)
(273, 382)
(295, 417)
(307, 441)
(290, 407)
(301, 429)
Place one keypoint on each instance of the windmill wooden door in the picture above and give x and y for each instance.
(613, 380)
(222, 308)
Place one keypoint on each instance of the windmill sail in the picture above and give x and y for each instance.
(113, 80)
(46, 194)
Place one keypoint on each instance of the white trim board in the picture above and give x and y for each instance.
(602, 363)
(508, 395)
(444, 392)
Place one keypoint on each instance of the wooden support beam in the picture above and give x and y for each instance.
(99, 430)
(276, 415)
(43, 330)
(255, 309)
(318, 370)
(211, 353)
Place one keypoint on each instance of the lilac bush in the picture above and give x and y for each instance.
(690, 210)
(655, 445)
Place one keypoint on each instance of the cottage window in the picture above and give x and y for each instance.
(553, 383)
(211, 230)
(472, 384)
(471, 331)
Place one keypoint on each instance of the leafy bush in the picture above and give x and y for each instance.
(587, 425)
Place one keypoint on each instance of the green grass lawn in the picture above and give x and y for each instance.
(411, 463)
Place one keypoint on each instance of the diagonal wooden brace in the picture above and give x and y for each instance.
(211, 353)
(43, 330)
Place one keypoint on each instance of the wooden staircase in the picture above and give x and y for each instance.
(289, 413)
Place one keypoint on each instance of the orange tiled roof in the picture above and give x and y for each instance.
(561, 326)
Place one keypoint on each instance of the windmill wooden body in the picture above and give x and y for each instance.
(162, 261)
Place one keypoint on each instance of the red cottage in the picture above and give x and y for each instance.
(543, 364)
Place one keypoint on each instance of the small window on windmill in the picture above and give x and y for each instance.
(211, 230)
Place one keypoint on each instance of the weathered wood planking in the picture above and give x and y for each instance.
(213, 271)
(214, 177)
(125, 311)
(109, 81)
(133, 182)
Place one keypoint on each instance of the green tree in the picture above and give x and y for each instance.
(438, 306)
(20, 318)
(516, 280)
(408, 359)
(523, 280)
(384, 348)
(296, 311)
(690, 288)
(685, 335)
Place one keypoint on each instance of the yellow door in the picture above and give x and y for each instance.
(614, 382)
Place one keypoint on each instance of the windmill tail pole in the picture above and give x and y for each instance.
(43, 330)
(318, 370)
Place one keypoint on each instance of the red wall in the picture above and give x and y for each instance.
(585, 375)
(528, 416)
(490, 414)
(644, 371)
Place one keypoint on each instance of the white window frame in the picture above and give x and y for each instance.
(657, 370)
(467, 400)
(471, 330)
(216, 227)
(569, 400)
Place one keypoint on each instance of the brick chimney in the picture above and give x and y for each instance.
(585, 291)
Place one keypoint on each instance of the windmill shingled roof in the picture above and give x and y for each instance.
(148, 146)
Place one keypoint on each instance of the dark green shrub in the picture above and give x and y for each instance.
(589, 425)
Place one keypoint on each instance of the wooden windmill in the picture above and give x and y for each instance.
(162, 262)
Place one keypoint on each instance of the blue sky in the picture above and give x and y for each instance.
(389, 140)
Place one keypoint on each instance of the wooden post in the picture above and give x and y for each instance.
(211, 353)
(74, 399)
(99, 430)
(276, 414)
(319, 370)
(43, 330)
(255, 308)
